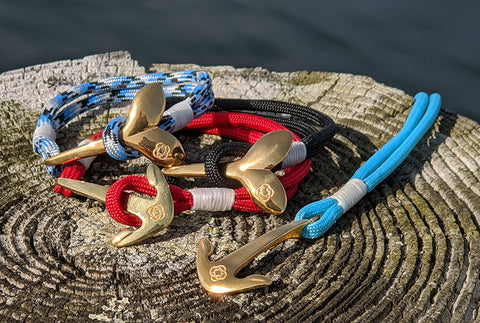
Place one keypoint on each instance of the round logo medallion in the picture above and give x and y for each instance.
(161, 151)
(218, 273)
(156, 212)
(264, 192)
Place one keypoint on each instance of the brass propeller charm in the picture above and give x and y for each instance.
(253, 171)
(140, 132)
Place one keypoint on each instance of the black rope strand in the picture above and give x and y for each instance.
(314, 128)
(322, 127)
(215, 171)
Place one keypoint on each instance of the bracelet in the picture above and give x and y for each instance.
(221, 124)
(193, 87)
(316, 218)
(424, 113)
(152, 216)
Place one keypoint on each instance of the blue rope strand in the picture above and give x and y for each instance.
(399, 155)
(418, 109)
(424, 113)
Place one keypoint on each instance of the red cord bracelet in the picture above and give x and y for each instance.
(239, 126)
(183, 199)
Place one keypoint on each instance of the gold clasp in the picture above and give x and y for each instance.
(253, 171)
(219, 276)
(140, 132)
(155, 214)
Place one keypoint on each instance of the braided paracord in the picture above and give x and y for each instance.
(210, 198)
(233, 125)
(424, 113)
(291, 115)
(301, 149)
(212, 163)
(193, 87)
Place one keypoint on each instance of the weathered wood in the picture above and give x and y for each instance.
(408, 251)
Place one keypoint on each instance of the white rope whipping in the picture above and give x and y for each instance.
(350, 193)
(182, 113)
(45, 131)
(212, 199)
(297, 154)
(86, 161)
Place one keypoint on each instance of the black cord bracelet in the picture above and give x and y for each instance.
(297, 117)
(313, 127)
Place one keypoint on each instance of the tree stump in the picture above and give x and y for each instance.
(409, 251)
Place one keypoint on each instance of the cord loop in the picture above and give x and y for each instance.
(111, 141)
(424, 113)
(213, 168)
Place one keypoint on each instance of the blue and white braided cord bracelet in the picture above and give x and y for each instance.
(195, 87)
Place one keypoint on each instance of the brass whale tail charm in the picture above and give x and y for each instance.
(219, 277)
(140, 132)
(253, 171)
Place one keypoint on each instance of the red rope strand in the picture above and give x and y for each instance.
(74, 170)
(239, 126)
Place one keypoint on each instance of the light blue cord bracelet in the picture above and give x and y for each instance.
(424, 113)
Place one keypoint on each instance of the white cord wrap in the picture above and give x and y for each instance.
(45, 131)
(297, 154)
(212, 199)
(182, 113)
(350, 193)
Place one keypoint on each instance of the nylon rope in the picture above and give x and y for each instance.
(192, 88)
(422, 116)
(208, 198)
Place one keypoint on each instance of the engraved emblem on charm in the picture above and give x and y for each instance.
(264, 192)
(218, 273)
(219, 276)
(156, 212)
(161, 151)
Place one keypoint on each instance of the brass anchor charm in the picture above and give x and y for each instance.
(253, 171)
(155, 214)
(140, 132)
(219, 276)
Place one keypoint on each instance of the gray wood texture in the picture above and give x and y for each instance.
(409, 251)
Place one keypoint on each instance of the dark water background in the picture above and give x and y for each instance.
(412, 45)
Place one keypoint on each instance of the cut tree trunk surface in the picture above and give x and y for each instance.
(409, 251)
